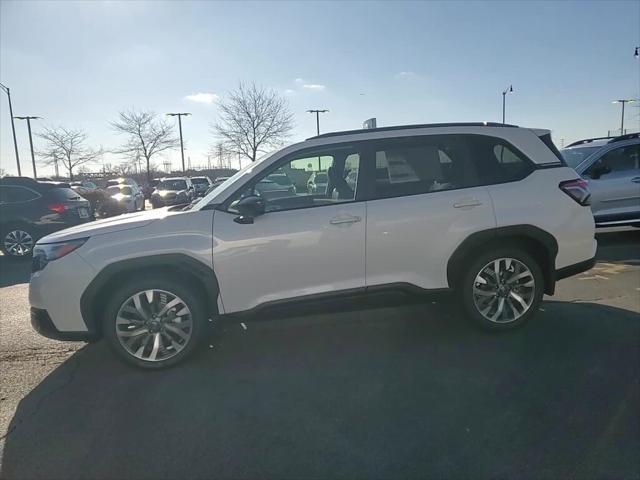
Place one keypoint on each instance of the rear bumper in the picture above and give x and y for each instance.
(575, 269)
(42, 323)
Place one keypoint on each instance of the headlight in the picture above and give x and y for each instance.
(47, 252)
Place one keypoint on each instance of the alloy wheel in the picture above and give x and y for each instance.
(18, 243)
(154, 325)
(504, 290)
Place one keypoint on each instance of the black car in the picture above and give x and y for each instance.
(30, 209)
(173, 191)
(201, 185)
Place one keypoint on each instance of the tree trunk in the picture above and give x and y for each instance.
(148, 170)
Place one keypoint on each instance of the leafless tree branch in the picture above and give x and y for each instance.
(67, 147)
(252, 120)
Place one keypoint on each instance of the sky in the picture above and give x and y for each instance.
(77, 64)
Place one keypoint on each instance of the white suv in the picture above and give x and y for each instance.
(488, 210)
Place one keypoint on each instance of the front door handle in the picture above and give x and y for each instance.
(344, 220)
(467, 203)
(635, 179)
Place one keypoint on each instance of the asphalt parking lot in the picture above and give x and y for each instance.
(392, 392)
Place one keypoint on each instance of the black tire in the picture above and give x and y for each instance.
(178, 287)
(7, 230)
(468, 283)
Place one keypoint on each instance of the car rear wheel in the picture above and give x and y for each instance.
(502, 289)
(154, 322)
(17, 242)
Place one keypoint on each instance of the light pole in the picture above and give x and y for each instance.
(180, 115)
(504, 97)
(13, 127)
(33, 158)
(318, 112)
(623, 101)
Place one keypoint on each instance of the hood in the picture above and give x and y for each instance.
(163, 193)
(108, 225)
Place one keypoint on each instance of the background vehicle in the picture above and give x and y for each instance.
(30, 209)
(127, 196)
(612, 168)
(489, 211)
(201, 185)
(173, 191)
(102, 205)
(317, 182)
(86, 184)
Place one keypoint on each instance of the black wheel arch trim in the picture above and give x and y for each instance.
(476, 240)
(179, 262)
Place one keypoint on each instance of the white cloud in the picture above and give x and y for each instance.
(299, 81)
(202, 97)
(313, 86)
(407, 75)
(288, 91)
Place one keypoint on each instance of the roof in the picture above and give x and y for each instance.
(409, 127)
(601, 141)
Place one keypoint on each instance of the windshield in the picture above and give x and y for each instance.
(199, 181)
(115, 189)
(575, 156)
(172, 185)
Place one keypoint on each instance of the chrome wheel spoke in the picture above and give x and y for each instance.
(18, 243)
(149, 328)
(504, 290)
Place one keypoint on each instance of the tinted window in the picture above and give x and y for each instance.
(63, 194)
(497, 161)
(199, 181)
(575, 156)
(286, 187)
(422, 165)
(16, 195)
(172, 185)
(621, 159)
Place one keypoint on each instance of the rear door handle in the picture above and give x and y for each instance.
(468, 203)
(635, 179)
(344, 220)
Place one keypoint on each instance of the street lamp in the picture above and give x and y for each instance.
(33, 158)
(13, 127)
(623, 101)
(180, 115)
(318, 112)
(504, 96)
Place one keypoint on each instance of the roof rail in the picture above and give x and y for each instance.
(588, 140)
(24, 181)
(622, 138)
(409, 127)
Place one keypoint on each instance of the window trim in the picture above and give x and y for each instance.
(38, 195)
(358, 147)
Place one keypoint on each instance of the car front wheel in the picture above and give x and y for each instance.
(154, 322)
(502, 289)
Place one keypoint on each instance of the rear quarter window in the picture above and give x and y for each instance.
(497, 161)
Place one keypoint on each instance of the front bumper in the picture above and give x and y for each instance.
(42, 323)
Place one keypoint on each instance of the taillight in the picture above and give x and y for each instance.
(57, 207)
(577, 189)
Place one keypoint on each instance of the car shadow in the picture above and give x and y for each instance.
(393, 392)
(13, 272)
(619, 246)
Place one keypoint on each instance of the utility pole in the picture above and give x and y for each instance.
(33, 158)
(623, 101)
(504, 98)
(318, 112)
(13, 127)
(180, 115)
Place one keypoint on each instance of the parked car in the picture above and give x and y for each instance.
(122, 181)
(317, 182)
(130, 198)
(201, 185)
(173, 191)
(102, 205)
(30, 209)
(149, 187)
(488, 211)
(611, 166)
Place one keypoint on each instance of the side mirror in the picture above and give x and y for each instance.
(249, 208)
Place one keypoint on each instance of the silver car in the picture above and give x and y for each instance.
(612, 168)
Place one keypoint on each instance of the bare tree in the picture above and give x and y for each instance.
(147, 135)
(252, 120)
(67, 147)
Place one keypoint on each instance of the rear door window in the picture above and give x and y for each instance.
(422, 165)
